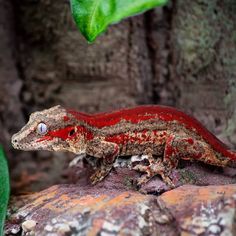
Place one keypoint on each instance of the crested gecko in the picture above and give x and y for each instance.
(164, 134)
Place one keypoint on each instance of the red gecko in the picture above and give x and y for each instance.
(164, 134)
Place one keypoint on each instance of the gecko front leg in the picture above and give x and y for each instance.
(107, 152)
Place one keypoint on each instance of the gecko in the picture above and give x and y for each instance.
(164, 134)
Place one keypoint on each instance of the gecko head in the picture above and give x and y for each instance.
(52, 129)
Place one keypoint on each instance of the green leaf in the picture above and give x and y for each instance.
(92, 17)
(4, 189)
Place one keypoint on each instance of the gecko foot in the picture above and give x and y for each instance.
(100, 174)
(145, 178)
(152, 170)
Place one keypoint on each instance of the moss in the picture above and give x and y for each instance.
(196, 36)
(199, 30)
(187, 177)
(128, 182)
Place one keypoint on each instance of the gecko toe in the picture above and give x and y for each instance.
(140, 168)
(95, 178)
(143, 180)
(99, 175)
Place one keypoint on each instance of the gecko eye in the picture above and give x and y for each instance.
(42, 128)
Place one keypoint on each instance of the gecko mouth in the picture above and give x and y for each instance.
(18, 146)
(30, 146)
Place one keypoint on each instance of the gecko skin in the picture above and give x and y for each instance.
(164, 134)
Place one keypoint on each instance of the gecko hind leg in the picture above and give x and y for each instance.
(187, 148)
(176, 147)
(155, 167)
(144, 168)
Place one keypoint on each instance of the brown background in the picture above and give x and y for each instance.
(183, 55)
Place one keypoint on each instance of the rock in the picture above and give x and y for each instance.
(116, 206)
(12, 229)
(76, 210)
(28, 225)
(60, 210)
(203, 210)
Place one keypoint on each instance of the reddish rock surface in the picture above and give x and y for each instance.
(116, 207)
(67, 210)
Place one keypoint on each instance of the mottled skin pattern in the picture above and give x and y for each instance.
(164, 134)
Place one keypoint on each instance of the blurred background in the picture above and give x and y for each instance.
(182, 55)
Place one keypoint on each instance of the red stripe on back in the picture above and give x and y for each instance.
(142, 113)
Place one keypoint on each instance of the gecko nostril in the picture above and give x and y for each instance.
(15, 141)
